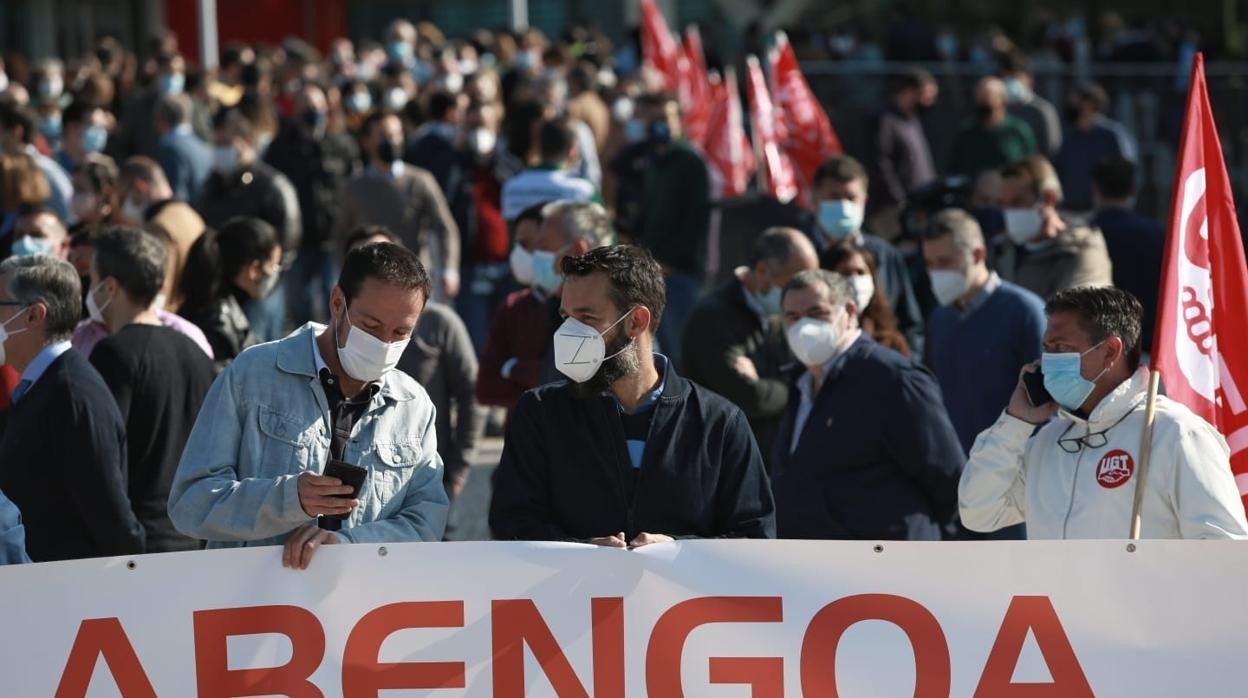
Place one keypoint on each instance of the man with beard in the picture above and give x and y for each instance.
(626, 453)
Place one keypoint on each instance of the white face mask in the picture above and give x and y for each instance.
(132, 210)
(948, 286)
(580, 349)
(1023, 224)
(864, 290)
(366, 358)
(94, 310)
(813, 341)
(521, 261)
(5, 334)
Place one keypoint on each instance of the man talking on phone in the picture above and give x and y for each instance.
(1077, 476)
(316, 439)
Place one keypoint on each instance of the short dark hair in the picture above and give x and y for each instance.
(1094, 93)
(234, 123)
(840, 168)
(12, 116)
(633, 277)
(134, 258)
(533, 213)
(555, 138)
(144, 169)
(364, 232)
(77, 112)
(1104, 312)
(439, 104)
(1014, 63)
(374, 118)
(657, 100)
(1114, 177)
(386, 262)
(217, 256)
(912, 79)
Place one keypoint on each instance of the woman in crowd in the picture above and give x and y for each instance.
(96, 191)
(22, 186)
(225, 267)
(875, 315)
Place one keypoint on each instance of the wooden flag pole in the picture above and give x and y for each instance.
(1146, 450)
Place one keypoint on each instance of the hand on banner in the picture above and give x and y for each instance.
(302, 545)
(321, 495)
(645, 539)
(1021, 408)
(616, 541)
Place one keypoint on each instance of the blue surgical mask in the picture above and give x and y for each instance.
(839, 217)
(635, 130)
(94, 139)
(50, 127)
(399, 51)
(172, 83)
(30, 246)
(359, 102)
(545, 276)
(771, 300)
(1063, 377)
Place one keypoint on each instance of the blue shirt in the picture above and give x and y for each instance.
(43, 359)
(637, 422)
(806, 391)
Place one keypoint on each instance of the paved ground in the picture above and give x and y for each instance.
(469, 518)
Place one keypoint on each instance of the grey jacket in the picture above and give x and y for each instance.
(266, 420)
(1078, 256)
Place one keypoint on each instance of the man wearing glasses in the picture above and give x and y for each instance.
(1076, 476)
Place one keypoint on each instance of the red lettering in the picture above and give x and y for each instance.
(517, 622)
(667, 642)
(213, 675)
(363, 675)
(764, 675)
(1033, 613)
(931, 650)
(103, 637)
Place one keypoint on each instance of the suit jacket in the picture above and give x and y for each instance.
(62, 462)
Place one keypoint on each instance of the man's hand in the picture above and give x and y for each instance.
(1020, 407)
(457, 487)
(321, 495)
(746, 368)
(645, 539)
(302, 544)
(616, 541)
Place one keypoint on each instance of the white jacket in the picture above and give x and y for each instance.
(1013, 477)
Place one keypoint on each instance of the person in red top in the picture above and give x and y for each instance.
(517, 355)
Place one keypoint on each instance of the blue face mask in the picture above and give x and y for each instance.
(634, 130)
(51, 128)
(839, 217)
(399, 51)
(30, 246)
(94, 139)
(1063, 377)
(771, 300)
(172, 83)
(544, 275)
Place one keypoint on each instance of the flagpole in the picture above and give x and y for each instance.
(1146, 451)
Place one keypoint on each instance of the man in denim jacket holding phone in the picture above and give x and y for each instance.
(281, 412)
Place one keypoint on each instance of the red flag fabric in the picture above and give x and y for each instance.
(727, 147)
(768, 129)
(1201, 342)
(659, 50)
(809, 139)
(695, 90)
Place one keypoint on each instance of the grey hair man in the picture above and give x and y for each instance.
(569, 229)
(734, 339)
(90, 516)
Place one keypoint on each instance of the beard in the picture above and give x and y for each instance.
(624, 363)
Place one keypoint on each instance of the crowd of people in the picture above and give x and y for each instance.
(279, 303)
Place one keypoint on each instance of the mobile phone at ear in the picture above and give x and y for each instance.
(1037, 394)
(352, 475)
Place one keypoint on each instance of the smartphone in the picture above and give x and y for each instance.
(352, 475)
(1037, 395)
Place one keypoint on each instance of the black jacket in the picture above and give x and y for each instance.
(878, 458)
(317, 169)
(721, 329)
(62, 462)
(564, 460)
(259, 191)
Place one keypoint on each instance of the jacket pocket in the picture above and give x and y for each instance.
(282, 443)
(392, 466)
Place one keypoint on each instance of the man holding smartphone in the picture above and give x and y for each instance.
(320, 426)
(1076, 477)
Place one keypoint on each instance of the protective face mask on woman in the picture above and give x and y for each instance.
(864, 290)
(366, 358)
(580, 349)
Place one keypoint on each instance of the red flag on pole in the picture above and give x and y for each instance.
(727, 147)
(695, 90)
(767, 124)
(1201, 345)
(659, 51)
(810, 139)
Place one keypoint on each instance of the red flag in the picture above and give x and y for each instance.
(695, 89)
(810, 139)
(728, 150)
(1201, 345)
(781, 178)
(659, 51)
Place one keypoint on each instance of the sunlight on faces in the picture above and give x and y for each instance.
(812, 302)
(942, 254)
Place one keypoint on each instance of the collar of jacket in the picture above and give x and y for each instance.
(295, 356)
(675, 389)
(1114, 406)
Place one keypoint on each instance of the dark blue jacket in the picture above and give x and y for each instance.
(1135, 244)
(187, 162)
(565, 460)
(877, 459)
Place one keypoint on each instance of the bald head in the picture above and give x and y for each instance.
(990, 99)
(779, 254)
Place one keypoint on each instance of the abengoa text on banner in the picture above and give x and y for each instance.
(704, 618)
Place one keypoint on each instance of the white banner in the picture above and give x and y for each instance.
(708, 619)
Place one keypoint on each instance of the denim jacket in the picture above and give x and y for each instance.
(266, 420)
(12, 535)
